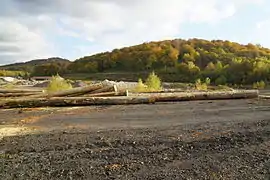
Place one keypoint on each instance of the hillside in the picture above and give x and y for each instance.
(185, 60)
(39, 66)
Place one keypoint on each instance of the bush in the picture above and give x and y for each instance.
(222, 80)
(208, 81)
(199, 85)
(58, 84)
(141, 87)
(153, 82)
(259, 85)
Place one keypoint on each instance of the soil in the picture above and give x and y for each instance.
(228, 139)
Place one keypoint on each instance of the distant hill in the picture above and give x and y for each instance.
(31, 65)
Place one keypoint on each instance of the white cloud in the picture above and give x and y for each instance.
(107, 24)
(18, 43)
(117, 24)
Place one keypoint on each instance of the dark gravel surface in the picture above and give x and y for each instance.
(217, 150)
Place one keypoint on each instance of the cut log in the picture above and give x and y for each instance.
(218, 95)
(74, 91)
(106, 94)
(105, 89)
(264, 97)
(73, 101)
(20, 91)
(16, 94)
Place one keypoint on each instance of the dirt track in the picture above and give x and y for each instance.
(187, 140)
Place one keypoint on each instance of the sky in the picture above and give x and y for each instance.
(31, 29)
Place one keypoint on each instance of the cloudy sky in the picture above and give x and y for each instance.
(70, 29)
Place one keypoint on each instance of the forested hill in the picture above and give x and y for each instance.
(37, 66)
(186, 60)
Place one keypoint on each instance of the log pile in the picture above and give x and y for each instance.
(101, 94)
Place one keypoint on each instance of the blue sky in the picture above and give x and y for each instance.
(41, 29)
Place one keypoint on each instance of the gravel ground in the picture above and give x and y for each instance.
(212, 146)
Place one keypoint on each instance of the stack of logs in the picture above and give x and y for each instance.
(100, 94)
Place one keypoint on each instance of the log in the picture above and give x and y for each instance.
(105, 94)
(105, 89)
(218, 95)
(16, 94)
(73, 101)
(264, 97)
(20, 91)
(163, 91)
(74, 91)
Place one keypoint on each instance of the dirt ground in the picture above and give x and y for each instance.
(228, 139)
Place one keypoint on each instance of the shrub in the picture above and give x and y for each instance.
(141, 87)
(207, 81)
(259, 85)
(222, 80)
(153, 82)
(199, 85)
(57, 83)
